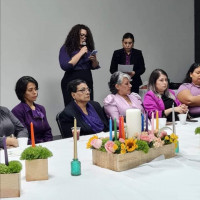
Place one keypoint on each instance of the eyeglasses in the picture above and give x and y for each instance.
(84, 90)
(82, 35)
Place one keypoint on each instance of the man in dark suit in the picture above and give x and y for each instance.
(129, 56)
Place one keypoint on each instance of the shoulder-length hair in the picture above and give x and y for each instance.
(188, 79)
(152, 83)
(72, 42)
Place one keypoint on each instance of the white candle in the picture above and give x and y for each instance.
(173, 119)
(133, 122)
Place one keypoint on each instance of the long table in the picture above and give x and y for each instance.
(176, 178)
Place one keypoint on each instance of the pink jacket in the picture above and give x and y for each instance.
(152, 103)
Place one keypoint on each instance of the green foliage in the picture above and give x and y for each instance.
(102, 148)
(143, 146)
(197, 130)
(37, 152)
(118, 143)
(13, 167)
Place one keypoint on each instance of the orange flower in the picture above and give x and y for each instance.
(123, 148)
(131, 144)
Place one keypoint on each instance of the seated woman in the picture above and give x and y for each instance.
(189, 92)
(89, 114)
(121, 99)
(11, 128)
(160, 98)
(27, 111)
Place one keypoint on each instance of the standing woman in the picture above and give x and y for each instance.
(28, 111)
(75, 59)
(129, 56)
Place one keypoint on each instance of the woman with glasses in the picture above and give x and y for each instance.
(89, 114)
(28, 111)
(121, 99)
(76, 60)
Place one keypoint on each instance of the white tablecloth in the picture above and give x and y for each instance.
(176, 178)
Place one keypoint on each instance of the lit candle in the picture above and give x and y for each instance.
(120, 128)
(75, 139)
(110, 126)
(133, 122)
(32, 135)
(147, 121)
(142, 116)
(5, 150)
(122, 125)
(157, 120)
(115, 128)
(173, 119)
(152, 123)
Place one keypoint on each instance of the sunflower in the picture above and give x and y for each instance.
(90, 140)
(131, 144)
(123, 148)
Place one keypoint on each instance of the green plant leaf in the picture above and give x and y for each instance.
(197, 130)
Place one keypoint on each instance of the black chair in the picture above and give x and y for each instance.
(59, 124)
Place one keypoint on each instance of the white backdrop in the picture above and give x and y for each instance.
(32, 32)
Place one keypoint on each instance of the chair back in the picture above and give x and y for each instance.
(59, 124)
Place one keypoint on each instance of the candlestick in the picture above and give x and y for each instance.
(152, 123)
(115, 128)
(75, 139)
(32, 135)
(5, 150)
(133, 122)
(110, 126)
(157, 120)
(147, 121)
(122, 125)
(173, 119)
(142, 118)
(120, 128)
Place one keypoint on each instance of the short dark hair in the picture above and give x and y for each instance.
(72, 85)
(128, 35)
(117, 78)
(188, 79)
(21, 86)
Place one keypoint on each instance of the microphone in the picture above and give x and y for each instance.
(83, 44)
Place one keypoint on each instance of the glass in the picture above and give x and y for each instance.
(84, 90)
(83, 35)
(78, 129)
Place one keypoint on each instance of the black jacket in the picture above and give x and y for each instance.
(71, 111)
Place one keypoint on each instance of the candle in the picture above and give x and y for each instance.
(110, 126)
(147, 121)
(157, 121)
(115, 128)
(32, 135)
(173, 119)
(133, 122)
(5, 150)
(75, 139)
(142, 118)
(120, 128)
(152, 123)
(122, 125)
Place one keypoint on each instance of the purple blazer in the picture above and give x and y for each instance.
(152, 103)
(42, 130)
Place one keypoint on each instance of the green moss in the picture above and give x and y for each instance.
(3, 169)
(13, 167)
(142, 146)
(102, 148)
(37, 152)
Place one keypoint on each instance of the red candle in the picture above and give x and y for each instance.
(122, 125)
(32, 135)
(120, 128)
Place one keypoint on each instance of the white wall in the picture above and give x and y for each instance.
(32, 32)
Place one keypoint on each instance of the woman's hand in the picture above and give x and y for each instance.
(12, 141)
(131, 74)
(181, 109)
(83, 50)
(94, 60)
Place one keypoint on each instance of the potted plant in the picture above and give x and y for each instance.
(10, 179)
(36, 162)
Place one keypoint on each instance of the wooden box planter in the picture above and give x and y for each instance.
(36, 170)
(10, 185)
(122, 162)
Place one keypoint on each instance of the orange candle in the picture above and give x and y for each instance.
(122, 125)
(32, 135)
(157, 121)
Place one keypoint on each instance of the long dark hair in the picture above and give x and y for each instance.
(188, 79)
(72, 42)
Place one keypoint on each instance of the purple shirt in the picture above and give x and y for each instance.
(195, 91)
(26, 115)
(152, 102)
(115, 105)
(128, 59)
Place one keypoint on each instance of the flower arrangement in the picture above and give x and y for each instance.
(141, 142)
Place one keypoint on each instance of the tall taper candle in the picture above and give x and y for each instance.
(120, 127)
(110, 127)
(123, 131)
(173, 119)
(115, 128)
(75, 139)
(152, 123)
(157, 120)
(32, 135)
(5, 150)
(147, 121)
(142, 118)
